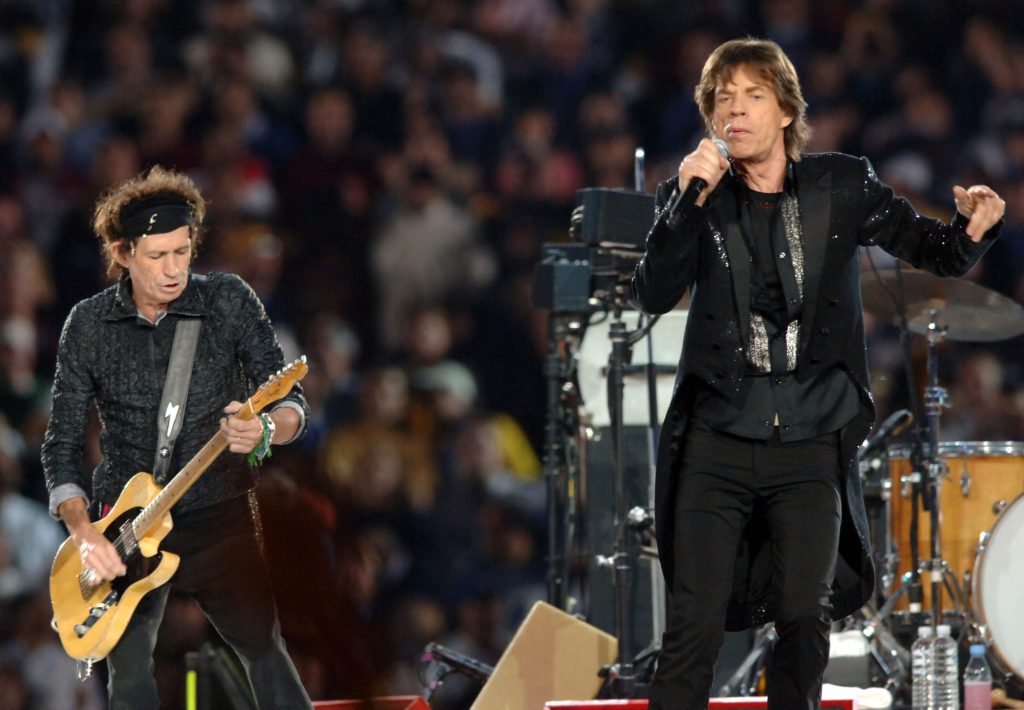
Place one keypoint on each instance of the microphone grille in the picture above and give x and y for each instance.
(722, 146)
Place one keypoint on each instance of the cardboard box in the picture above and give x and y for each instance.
(553, 656)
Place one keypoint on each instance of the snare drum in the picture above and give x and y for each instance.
(983, 478)
(996, 590)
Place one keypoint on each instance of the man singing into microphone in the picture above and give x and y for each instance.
(759, 510)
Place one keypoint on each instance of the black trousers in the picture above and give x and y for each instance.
(724, 480)
(223, 569)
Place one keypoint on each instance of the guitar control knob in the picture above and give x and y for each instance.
(80, 629)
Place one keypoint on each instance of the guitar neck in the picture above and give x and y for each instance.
(276, 387)
(179, 485)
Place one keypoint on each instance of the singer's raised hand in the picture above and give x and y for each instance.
(982, 206)
(706, 163)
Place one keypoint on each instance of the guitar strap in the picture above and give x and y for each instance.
(172, 403)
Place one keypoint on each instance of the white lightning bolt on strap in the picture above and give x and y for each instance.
(170, 415)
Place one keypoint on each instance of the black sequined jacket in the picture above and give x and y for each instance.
(111, 358)
(842, 206)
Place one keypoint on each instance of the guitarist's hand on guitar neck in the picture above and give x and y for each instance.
(96, 551)
(242, 434)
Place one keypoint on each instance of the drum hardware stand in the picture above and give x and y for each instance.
(928, 471)
(935, 399)
(891, 658)
(744, 679)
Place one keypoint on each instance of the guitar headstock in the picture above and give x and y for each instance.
(279, 384)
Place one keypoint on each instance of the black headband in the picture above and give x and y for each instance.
(156, 214)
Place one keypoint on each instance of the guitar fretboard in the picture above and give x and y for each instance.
(276, 387)
(179, 485)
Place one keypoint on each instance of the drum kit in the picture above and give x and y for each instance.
(970, 493)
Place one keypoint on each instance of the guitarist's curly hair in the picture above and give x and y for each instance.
(106, 220)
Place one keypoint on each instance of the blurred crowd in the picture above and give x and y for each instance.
(384, 173)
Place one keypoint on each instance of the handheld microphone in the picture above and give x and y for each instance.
(894, 424)
(683, 200)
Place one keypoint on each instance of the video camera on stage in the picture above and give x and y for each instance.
(607, 232)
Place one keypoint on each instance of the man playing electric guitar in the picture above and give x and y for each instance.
(115, 353)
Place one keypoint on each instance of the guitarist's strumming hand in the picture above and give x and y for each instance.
(100, 560)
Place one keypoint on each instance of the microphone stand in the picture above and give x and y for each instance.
(623, 676)
(658, 597)
(622, 561)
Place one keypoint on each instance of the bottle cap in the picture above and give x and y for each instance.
(924, 632)
(943, 630)
(978, 649)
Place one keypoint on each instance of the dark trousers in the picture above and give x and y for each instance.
(724, 480)
(223, 569)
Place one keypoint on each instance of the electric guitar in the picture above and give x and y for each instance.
(90, 617)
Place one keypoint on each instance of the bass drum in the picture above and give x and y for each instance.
(996, 592)
(984, 476)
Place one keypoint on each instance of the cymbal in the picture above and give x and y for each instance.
(962, 309)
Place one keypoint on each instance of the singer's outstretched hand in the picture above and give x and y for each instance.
(982, 206)
(705, 162)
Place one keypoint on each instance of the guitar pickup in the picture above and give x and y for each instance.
(95, 613)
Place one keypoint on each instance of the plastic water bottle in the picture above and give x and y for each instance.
(921, 669)
(977, 680)
(946, 671)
